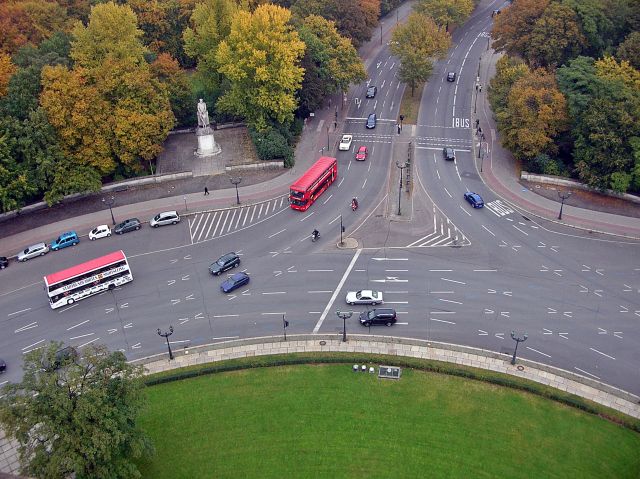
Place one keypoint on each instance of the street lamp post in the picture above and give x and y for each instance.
(184, 197)
(475, 104)
(402, 167)
(380, 33)
(481, 157)
(327, 138)
(518, 340)
(166, 335)
(344, 315)
(235, 182)
(341, 231)
(563, 196)
(110, 202)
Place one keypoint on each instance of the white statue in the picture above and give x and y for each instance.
(203, 114)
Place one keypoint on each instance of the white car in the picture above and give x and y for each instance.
(345, 143)
(98, 232)
(364, 296)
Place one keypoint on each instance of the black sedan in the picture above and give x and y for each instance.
(235, 281)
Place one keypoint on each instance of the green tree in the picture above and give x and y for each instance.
(416, 43)
(555, 38)
(508, 71)
(78, 418)
(211, 22)
(333, 56)
(112, 33)
(260, 58)
(535, 114)
(446, 12)
(169, 73)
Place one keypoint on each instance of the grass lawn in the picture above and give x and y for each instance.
(326, 421)
(410, 105)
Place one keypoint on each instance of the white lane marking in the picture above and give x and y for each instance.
(320, 291)
(452, 281)
(79, 324)
(440, 270)
(585, 372)
(600, 352)
(81, 336)
(275, 234)
(449, 301)
(465, 211)
(226, 337)
(539, 352)
(325, 201)
(276, 292)
(88, 342)
(18, 312)
(28, 326)
(393, 259)
(337, 290)
(319, 270)
(440, 292)
(279, 313)
(307, 216)
(521, 231)
(442, 321)
(485, 270)
(226, 316)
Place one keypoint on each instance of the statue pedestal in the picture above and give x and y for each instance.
(207, 145)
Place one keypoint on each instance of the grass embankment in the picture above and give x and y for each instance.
(326, 421)
(410, 105)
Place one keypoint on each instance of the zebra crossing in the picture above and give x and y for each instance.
(498, 208)
(444, 233)
(207, 225)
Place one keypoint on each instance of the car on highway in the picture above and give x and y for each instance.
(371, 91)
(38, 249)
(223, 263)
(364, 296)
(100, 231)
(234, 282)
(3, 365)
(4, 262)
(474, 199)
(448, 153)
(127, 225)
(451, 76)
(362, 153)
(345, 143)
(165, 218)
(386, 316)
(65, 239)
(371, 121)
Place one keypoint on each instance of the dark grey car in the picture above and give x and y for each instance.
(224, 262)
(131, 224)
(376, 316)
(371, 121)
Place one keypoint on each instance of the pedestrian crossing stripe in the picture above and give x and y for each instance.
(498, 208)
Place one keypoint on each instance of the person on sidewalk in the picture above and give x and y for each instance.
(206, 191)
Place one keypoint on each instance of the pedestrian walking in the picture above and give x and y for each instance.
(398, 125)
(206, 191)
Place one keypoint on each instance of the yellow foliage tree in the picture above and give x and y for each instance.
(7, 69)
(260, 58)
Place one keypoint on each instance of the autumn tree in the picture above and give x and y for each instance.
(556, 37)
(331, 63)
(629, 50)
(508, 71)
(109, 111)
(513, 28)
(353, 18)
(446, 12)
(167, 70)
(260, 58)
(416, 43)
(536, 112)
(76, 416)
(29, 22)
(7, 69)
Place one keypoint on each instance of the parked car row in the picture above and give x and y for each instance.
(71, 238)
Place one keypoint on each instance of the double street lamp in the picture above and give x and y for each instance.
(110, 202)
(518, 340)
(166, 335)
(402, 167)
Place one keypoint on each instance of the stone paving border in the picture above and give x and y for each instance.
(582, 386)
(587, 388)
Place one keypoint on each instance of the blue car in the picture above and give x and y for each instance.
(64, 240)
(474, 199)
(234, 282)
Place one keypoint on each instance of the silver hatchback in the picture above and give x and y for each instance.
(39, 249)
(165, 218)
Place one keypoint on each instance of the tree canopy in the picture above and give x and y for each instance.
(261, 60)
(416, 43)
(75, 415)
(446, 12)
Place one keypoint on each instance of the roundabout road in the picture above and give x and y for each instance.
(453, 274)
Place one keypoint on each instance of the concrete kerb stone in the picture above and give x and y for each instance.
(262, 346)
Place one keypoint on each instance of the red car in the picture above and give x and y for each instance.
(362, 153)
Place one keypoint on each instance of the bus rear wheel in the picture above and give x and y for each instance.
(70, 301)
(112, 286)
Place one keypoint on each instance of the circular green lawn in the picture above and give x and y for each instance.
(327, 421)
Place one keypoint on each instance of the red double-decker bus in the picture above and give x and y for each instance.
(313, 183)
